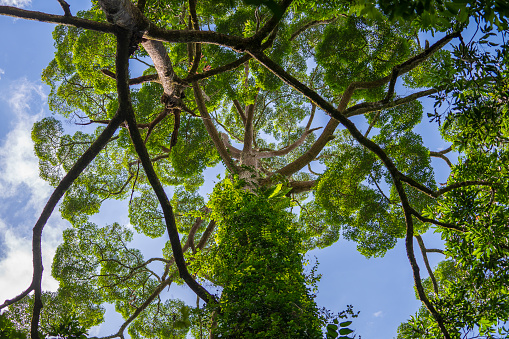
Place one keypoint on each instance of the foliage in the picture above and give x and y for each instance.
(266, 296)
(240, 82)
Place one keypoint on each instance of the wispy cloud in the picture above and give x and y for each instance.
(1, 72)
(21, 189)
(17, 3)
(16, 265)
(18, 163)
(378, 314)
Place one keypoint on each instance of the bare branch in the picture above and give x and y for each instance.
(436, 222)
(463, 184)
(234, 151)
(426, 263)
(288, 148)
(441, 156)
(134, 81)
(222, 69)
(65, 6)
(367, 107)
(435, 250)
(236, 103)
(141, 150)
(211, 129)
(57, 19)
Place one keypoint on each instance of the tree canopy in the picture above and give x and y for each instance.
(238, 84)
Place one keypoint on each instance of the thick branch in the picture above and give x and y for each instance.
(426, 263)
(164, 67)
(313, 151)
(142, 152)
(249, 129)
(57, 19)
(65, 6)
(234, 151)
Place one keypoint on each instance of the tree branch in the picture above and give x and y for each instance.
(301, 186)
(222, 69)
(242, 115)
(367, 107)
(65, 6)
(436, 222)
(309, 25)
(249, 128)
(234, 151)
(134, 81)
(426, 263)
(441, 156)
(142, 152)
(57, 19)
(211, 129)
(289, 148)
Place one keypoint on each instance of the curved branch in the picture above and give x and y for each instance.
(57, 194)
(311, 154)
(436, 222)
(225, 68)
(376, 149)
(234, 151)
(288, 148)
(65, 6)
(441, 156)
(463, 184)
(309, 25)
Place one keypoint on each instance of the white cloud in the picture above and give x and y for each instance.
(19, 179)
(1, 72)
(378, 314)
(18, 163)
(16, 3)
(16, 266)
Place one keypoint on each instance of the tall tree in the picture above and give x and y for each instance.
(240, 83)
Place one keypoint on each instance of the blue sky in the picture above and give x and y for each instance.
(380, 288)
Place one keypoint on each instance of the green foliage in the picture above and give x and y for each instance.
(255, 255)
(266, 296)
(8, 329)
(68, 328)
(357, 49)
